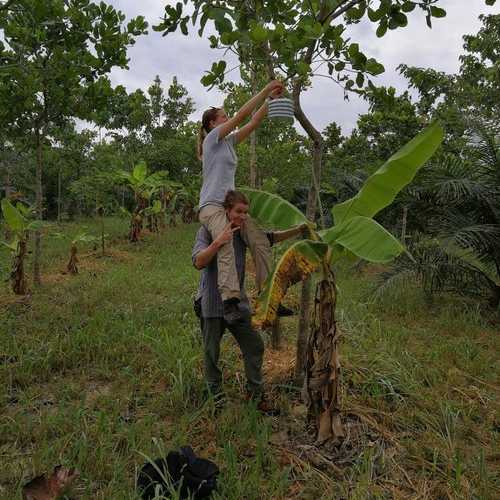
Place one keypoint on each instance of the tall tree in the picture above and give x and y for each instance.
(53, 65)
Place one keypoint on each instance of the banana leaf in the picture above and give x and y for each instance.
(295, 265)
(365, 238)
(381, 188)
(15, 220)
(272, 210)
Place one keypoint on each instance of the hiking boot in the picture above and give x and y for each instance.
(263, 405)
(266, 408)
(231, 311)
(284, 311)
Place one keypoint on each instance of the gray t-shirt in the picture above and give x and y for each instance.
(219, 167)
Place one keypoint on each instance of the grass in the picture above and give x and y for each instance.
(104, 368)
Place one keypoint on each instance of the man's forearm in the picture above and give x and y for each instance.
(205, 256)
(287, 233)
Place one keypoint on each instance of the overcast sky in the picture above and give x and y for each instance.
(188, 57)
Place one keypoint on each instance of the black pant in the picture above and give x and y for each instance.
(251, 345)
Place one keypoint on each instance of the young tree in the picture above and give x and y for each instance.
(144, 187)
(54, 59)
(20, 221)
(355, 233)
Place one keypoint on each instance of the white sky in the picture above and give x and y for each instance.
(188, 57)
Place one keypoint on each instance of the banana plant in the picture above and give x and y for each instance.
(355, 234)
(144, 187)
(20, 223)
(72, 266)
(188, 199)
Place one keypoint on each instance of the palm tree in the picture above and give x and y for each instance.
(458, 247)
(355, 234)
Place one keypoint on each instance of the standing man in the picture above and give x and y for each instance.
(212, 312)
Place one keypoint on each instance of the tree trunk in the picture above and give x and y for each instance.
(17, 276)
(403, 225)
(59, 196)
(103, 242)
(253, 139)
(276, 335)
(72, 266)
(305, 299)
(322, 387)
(137, 220)
(8, 191)
(39, 208)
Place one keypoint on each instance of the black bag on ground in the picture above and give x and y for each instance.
(183, 469)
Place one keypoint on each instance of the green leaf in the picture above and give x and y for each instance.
(382, 28)
(303, 68)
(258, 33)
(408, 6)
(36, 225)
(125, 212)
(24, 210)
(375, 15)
(208, 79)
(381, 188)
(295, 265)
(140, 172)
(270, 209)
(353, 49)
(12, 246)
(13, 217)
(156, 207)
(373, 67)
(365, 238)
(400, 19)
(437, 11)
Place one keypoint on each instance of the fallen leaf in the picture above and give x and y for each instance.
(50, 488)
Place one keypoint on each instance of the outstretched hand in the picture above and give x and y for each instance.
(275, 89)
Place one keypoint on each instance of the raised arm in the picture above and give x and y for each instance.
(275, 87)
(288, 233)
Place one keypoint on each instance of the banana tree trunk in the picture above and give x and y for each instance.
(322, 384)
(136, 220)
(72, 266)
(17, 276)
(39, 208)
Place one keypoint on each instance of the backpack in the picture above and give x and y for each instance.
(182, 469)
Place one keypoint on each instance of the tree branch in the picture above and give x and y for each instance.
(337, 13)
(6, 5)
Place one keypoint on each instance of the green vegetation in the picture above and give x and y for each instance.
(101, 355)
(105, 366)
